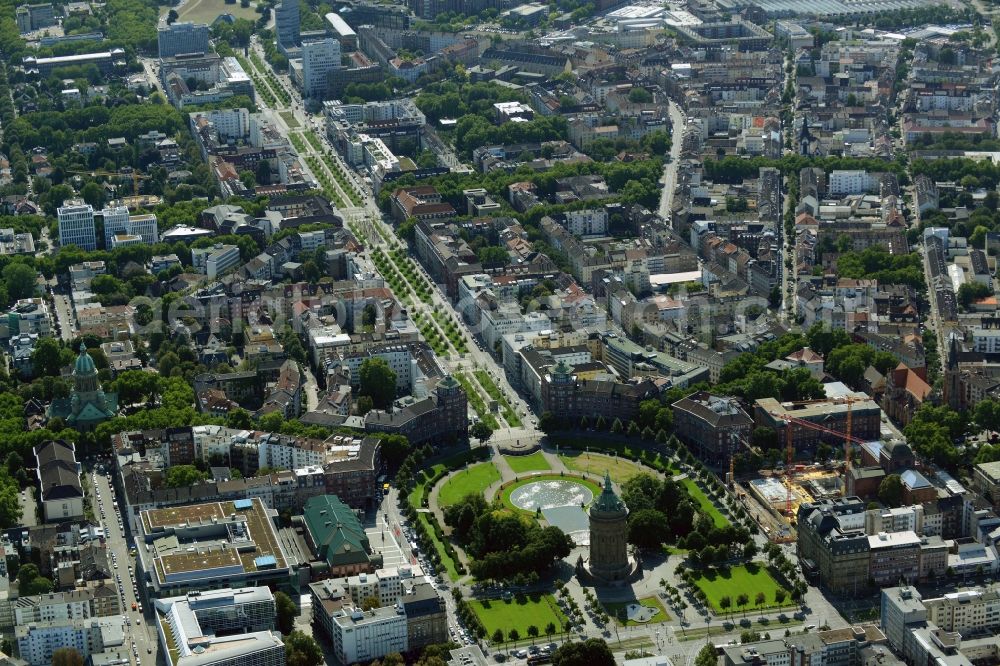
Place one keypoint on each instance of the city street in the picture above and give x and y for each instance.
(64, 315)
(29, 508)
(669, 180)
(310, 388)
(140, 639)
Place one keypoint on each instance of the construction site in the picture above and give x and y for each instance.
(845, 422)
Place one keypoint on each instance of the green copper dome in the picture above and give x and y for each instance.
(608, 502)
(84, 364)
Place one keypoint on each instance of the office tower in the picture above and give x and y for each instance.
(117, 221)
(318, 58)
(76, 224)
(181, 38)
(287, 22)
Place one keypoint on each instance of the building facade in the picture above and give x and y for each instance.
(287, 24)
(608, 535)
(319, 57)
(361, 636)
(37, 641)
(220, 628)
(182, 38)
(117, 221)
(215, 260)
(713, 426)
(76, 225)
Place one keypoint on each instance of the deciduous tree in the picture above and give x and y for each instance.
(378, 381)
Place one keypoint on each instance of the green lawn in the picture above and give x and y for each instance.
(621, 470)
(420, 489)
(206, 11)
(659, 463)
(535, 462)
(290, 119)
(705, 505)
(616, 609)
(475, 479)
(505, 493)
(446, 561)
(519, 613)
(580, 442)
(746, 579)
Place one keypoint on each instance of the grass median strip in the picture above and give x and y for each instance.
(476, 401)
(509, 415)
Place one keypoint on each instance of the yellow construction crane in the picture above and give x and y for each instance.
(135, 176)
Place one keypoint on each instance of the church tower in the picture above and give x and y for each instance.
(88, 404)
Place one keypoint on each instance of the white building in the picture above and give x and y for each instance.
(494, 324)
(37, 641)
(854, 181)
(970, 557)
(386, 585)
(215, 260)
(377, 155)
(967, 611)
(56, 607)
(899, 519)
(986, 340)
(361, 636)
(399, 357)
(220, 628)
(117, 221)
(341, 31)
(283, 452)
(76, 224)
(229, 124)
(326, 341)
(593, 222)
(29, 315)
(312, 240)
(319, 57)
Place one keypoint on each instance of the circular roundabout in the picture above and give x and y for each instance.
(550, 493)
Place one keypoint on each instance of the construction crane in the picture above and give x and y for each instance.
(735, 441)
(135, 176)
(790, 446)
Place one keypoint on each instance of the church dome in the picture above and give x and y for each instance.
(84, 364)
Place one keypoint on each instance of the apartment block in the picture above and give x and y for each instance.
(215, 260)
(37, 641)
